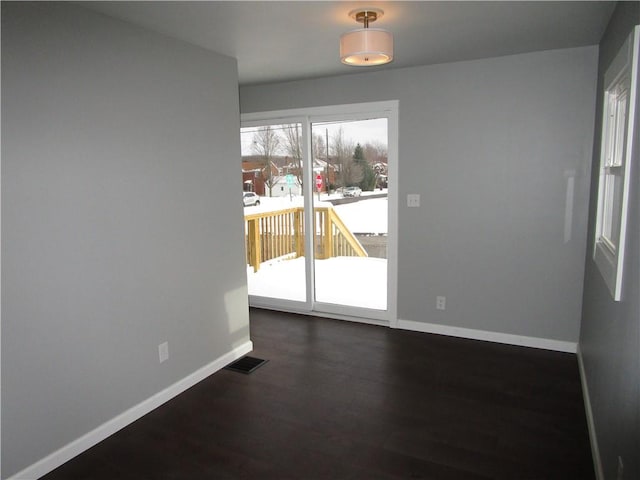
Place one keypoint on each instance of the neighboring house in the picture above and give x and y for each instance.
(282, 189)
(255, 176)
(328, 171)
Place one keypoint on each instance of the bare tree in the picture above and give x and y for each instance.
(293, 147)
(375, 152)
(266, 144)
(350, 173)
(319, 146)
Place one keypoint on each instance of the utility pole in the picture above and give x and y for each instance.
(326, 130)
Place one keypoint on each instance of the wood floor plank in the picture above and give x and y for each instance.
(341, 400)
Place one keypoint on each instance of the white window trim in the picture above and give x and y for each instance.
(609, 257)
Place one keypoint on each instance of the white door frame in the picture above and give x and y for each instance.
(307, 116)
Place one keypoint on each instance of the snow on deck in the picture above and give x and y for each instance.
(353, 281)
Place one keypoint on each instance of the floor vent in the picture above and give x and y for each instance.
(246, 364)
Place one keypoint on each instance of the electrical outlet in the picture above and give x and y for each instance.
(163, 352)
(441, 303)
(620, 469)
(413, 200)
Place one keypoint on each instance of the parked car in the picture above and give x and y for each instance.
(250, 198)
(352, 192)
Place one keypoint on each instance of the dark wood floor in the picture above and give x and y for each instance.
(340, 400)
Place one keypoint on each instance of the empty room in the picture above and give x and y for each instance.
(437, 255)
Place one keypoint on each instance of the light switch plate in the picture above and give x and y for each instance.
(413, 200)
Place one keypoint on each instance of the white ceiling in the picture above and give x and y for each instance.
(276, 41)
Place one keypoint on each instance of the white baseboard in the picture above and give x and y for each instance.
(595, 451)
(535, 342)
(71, 450)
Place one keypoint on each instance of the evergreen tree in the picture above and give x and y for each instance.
(368, 182)
(358, 154)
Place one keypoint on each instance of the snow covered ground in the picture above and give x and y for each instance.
(365, 216)
(353, 281)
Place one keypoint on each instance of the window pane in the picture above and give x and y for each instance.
(274, 211)
(616, 216)
(608, 206)
(621, 117)
(351, 213)
(609, 129)
(612, 210)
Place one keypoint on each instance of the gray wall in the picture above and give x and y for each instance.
(610, 334)
(121, 221)
(489, 145)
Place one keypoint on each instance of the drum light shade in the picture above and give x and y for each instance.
(366, 47)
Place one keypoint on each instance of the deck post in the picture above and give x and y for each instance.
(327, 233)
(254, 244)
(298, 232)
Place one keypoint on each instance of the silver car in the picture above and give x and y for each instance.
(352, 192)
(250, 198)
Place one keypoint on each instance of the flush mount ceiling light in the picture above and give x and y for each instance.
(366, 46)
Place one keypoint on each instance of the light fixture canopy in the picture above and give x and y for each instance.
(366, 46)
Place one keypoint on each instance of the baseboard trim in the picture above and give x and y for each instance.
(595, 450)
(73, 449)
(520, 340)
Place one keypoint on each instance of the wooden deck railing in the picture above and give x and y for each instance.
(280, 233)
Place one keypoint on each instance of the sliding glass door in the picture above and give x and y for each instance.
(273, 201)
(351, 212)
(319, 200)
